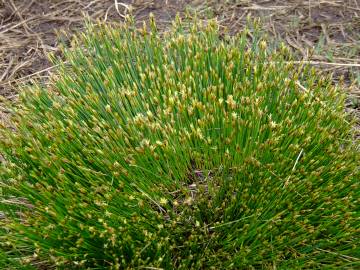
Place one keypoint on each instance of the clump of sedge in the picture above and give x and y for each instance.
(179, 150)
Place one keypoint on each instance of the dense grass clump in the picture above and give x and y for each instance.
(180, 150)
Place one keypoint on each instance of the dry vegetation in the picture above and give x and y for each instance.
(325, 32)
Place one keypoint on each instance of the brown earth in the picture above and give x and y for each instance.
(324, 32)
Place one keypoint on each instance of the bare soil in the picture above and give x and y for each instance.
(322, 31)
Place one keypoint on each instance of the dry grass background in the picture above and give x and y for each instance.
(325, 32)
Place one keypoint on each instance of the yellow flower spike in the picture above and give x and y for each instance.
(231, 102)
(163, 201)
(263, 45)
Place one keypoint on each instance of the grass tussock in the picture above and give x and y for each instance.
(179, 150)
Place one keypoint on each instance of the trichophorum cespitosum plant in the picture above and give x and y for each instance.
(182, 149)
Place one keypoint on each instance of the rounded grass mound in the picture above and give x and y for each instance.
(180, 150)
